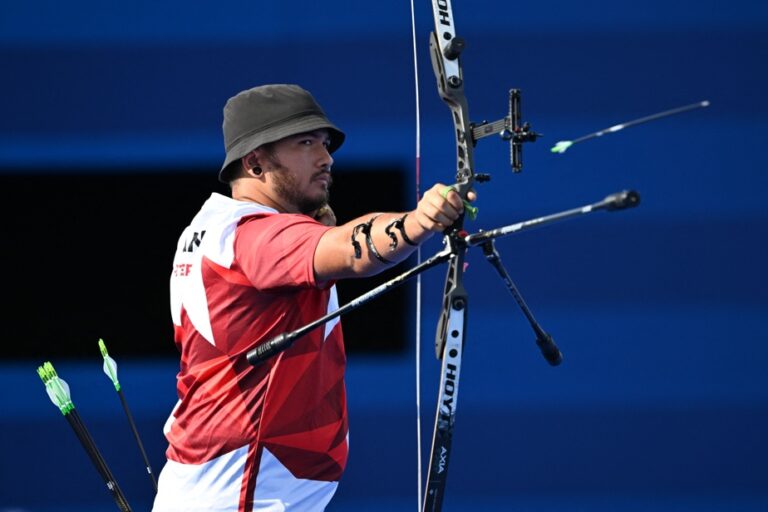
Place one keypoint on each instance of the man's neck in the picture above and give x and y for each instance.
(253, 195)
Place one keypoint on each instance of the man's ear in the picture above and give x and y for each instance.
(252, 160)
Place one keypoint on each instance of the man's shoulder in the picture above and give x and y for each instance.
(269, 220)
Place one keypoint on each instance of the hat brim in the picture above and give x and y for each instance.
(294, 126)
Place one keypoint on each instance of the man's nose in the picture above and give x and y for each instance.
(327, 159)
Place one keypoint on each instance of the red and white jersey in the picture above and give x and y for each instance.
(245, 437)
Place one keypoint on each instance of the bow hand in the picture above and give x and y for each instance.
(440, 207)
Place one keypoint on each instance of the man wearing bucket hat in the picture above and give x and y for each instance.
(252, 266)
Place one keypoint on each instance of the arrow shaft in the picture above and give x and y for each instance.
(74, 420)
(635, 122)
(138, 438)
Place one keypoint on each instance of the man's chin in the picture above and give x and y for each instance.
(309, 206)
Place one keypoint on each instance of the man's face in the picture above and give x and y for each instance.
(301, 170)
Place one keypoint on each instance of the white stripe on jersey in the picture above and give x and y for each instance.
(333, 305)
(213, 486)
(211, 234)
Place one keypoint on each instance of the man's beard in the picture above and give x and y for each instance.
(286, 187)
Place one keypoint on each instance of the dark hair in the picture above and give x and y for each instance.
(236, 169)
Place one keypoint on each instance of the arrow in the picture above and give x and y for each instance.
(110, 368)
(563, 145)
(58, 392)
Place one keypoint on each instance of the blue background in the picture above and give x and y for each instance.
(662, 400)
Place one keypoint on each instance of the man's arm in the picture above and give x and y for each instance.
(335, 254)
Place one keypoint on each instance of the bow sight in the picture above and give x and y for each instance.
(509, 128)
(445, 50)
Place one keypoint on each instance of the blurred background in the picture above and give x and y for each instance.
(110, 140)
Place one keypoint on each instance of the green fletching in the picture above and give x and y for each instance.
(103, 348)
(57, 388)
(49, 370)
(110, 366)
(562, 146)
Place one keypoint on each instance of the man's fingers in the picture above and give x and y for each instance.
(436, 217)
(449, 194)
(440, 207)
(441, 211)
(430, 223)
(451, 197)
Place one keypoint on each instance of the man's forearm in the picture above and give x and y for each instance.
(368, 245)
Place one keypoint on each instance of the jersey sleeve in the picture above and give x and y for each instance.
(277, 251)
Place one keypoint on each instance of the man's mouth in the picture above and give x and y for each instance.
(325, 178)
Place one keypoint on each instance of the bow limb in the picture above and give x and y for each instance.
(445, 49)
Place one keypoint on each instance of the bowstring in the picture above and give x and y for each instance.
(418, 259)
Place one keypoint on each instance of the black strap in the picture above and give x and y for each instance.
(355, 243)
(399, 224)
(366, 229)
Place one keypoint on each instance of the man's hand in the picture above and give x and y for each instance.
(324, 215)
(440, 207)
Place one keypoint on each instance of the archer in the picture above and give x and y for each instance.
(272, 435)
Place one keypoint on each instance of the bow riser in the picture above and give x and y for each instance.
(445, 48)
